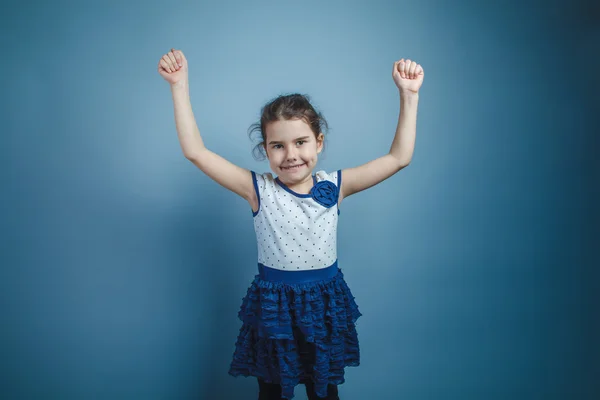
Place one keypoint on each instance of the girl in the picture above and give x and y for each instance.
(298, 317)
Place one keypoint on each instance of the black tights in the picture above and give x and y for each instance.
(272, 391)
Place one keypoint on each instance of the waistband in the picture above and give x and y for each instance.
(291, 276)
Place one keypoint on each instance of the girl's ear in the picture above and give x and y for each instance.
(320, 139)
(264, 141)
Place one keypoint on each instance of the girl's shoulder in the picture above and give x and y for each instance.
(333, 176)
(264, 178)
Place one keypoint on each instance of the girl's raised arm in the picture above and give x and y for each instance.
(408, 76)
(173, 68)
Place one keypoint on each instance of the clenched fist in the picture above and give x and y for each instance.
(173, 67)
(408, 75)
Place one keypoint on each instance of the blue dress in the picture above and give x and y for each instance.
(299, 315)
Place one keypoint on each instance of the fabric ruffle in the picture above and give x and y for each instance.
(292, 333)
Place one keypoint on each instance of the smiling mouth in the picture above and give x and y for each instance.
(293, 167)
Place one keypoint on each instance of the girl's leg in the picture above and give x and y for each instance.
(332, 392)
(268, 391)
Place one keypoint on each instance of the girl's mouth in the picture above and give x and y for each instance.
(294, 167)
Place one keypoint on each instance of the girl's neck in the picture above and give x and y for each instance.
(303, 187)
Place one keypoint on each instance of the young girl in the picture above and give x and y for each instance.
(298, 317)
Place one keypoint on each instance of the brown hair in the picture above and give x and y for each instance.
(286, 107)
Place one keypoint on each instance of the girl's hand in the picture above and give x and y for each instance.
(408, 75)
(173, 67)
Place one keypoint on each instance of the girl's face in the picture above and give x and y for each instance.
(292, 149)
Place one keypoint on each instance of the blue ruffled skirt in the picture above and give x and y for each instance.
(297, 326)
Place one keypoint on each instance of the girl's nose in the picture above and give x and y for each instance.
(291, 154)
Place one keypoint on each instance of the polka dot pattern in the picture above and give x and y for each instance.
(294, 232)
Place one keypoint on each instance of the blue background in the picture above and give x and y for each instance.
(476, 267)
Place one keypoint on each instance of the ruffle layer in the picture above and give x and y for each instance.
(292, 333)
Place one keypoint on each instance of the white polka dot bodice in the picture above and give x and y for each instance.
(296, 231)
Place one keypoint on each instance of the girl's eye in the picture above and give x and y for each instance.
(279, 146)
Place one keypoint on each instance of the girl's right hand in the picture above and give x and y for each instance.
(173, 67)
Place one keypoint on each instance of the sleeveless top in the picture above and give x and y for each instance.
(296, 232)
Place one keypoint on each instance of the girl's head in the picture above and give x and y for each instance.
(291, 136)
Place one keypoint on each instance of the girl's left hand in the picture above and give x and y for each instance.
(408, 75)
